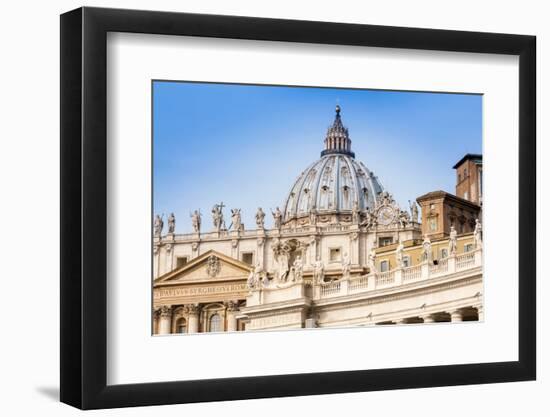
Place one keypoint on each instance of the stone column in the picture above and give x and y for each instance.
(310, 323)
(156, 321)
(260, 245)
(428, 319)
(456, 316)
(156, 261)
(193, 322)
(165, 320)
(232, 310)
(480, 316)
(354, 245)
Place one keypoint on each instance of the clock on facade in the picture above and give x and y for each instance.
(385, 215)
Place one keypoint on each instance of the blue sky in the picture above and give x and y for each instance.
(245, 145)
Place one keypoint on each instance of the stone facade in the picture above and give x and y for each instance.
(441, 210)
(341, 253)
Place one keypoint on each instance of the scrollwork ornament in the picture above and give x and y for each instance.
(165, 311)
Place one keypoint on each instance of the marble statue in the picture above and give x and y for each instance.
(297, 269)
(318, 271)
(346, 266)
(281, 255)
(255, 277)
(452, 240)
(277, 218)
(399, 255)
(158, 225)
(404, 218)
(372, 260)
(260, 216)
(196, 221)
(427, 254)
(236, 219)
(414, 212)
(171, 223)
(477, 234)
(251, 282)
(217, 217)
(370, 219)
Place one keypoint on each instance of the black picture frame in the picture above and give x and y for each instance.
(84, 207)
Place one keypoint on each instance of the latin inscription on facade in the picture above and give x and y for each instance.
(191, 291)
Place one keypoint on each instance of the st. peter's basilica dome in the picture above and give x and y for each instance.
(334, 184)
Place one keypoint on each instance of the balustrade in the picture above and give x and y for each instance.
(397, 277)
(330, 288)
(359, 283)
(466, 260)
(412, 273)
(441, 267)
(385, 278)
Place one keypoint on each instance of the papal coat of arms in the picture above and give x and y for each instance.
(213, 267)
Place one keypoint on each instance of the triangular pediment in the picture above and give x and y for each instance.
(210, 266)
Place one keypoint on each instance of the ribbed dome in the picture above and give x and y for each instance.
(334, 183)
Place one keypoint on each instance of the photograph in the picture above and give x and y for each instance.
(297, 207)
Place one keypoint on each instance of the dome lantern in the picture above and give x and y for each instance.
(337, 140)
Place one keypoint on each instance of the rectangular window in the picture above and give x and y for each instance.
(406, 261)
(465, 195)
(248, 258)
(384, 266)
(385, 241)
(433, 224)
(181, 261)
(444, 253)
(334, 255)
(468, 248)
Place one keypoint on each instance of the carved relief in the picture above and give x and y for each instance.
(192, 309)
(165, 311)
(213, 266)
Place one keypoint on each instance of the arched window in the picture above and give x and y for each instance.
(181, 325)
(215, 323)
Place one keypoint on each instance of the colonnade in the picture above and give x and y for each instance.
(471, 313)
(195, 318)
